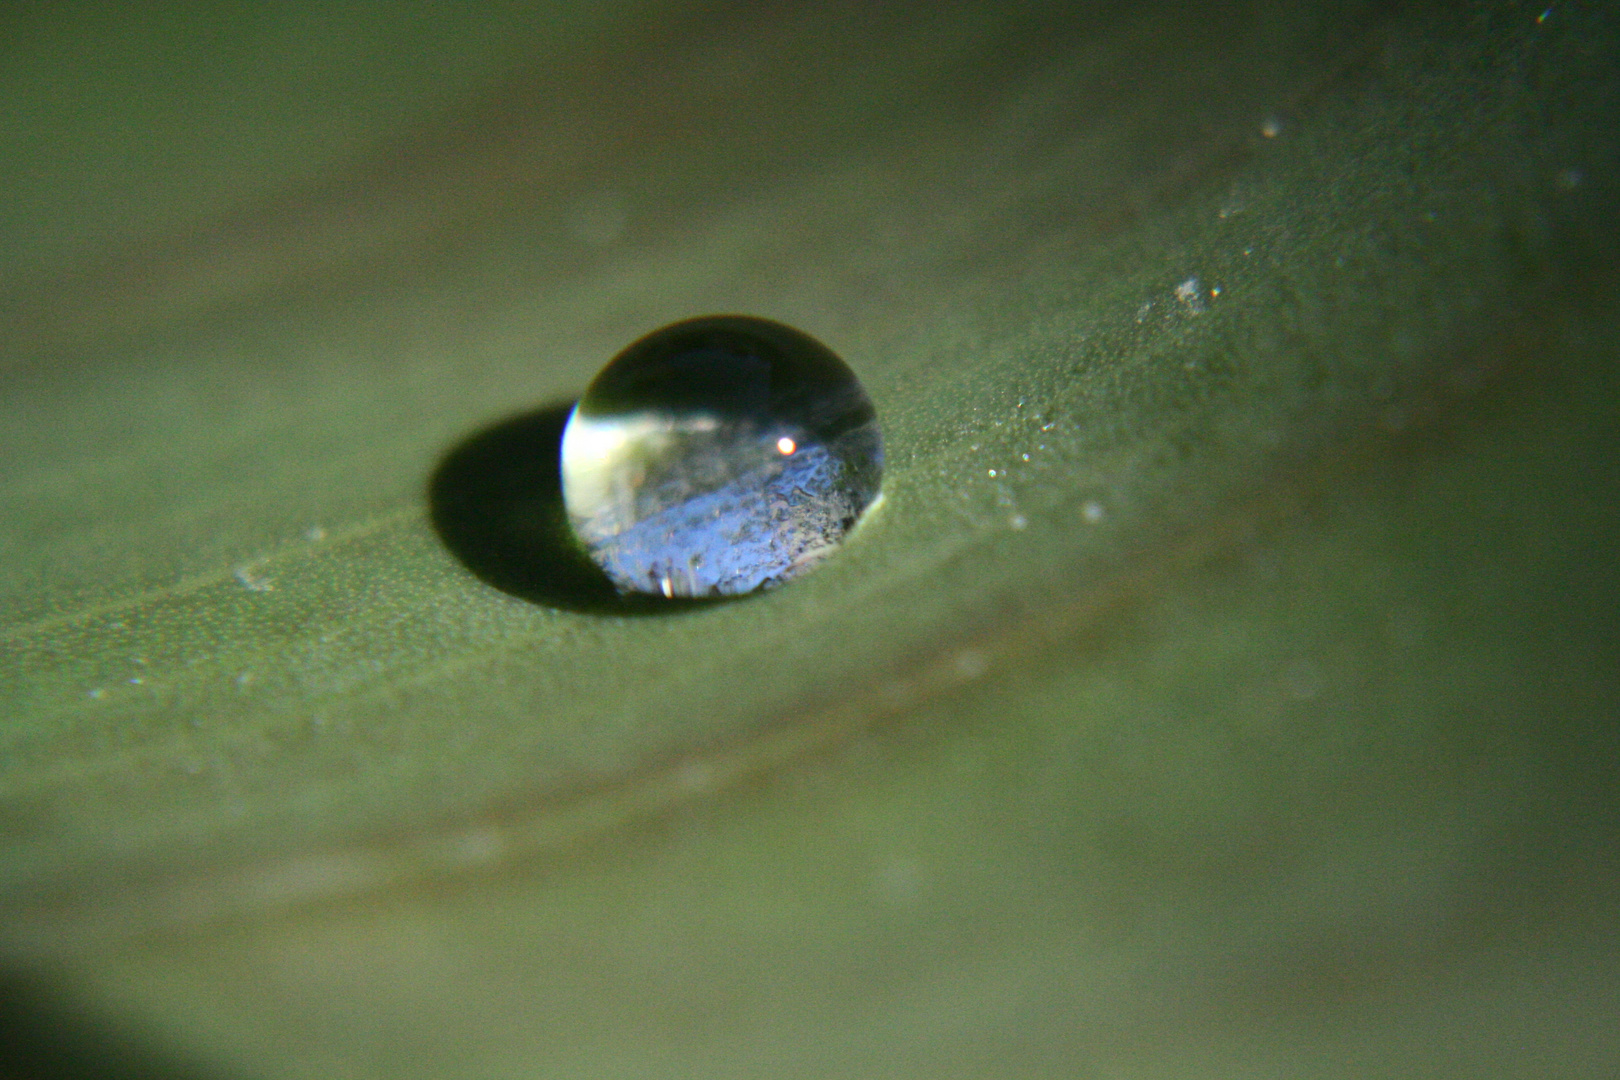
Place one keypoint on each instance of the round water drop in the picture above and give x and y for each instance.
(718, 456)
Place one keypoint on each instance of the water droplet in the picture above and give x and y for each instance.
(719, 456)
(971, 663)
(1190, 293)
(902, 882)
(251, 580)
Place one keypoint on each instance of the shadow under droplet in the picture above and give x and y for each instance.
(496, 501)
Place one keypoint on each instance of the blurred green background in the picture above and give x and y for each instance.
(1227, 685)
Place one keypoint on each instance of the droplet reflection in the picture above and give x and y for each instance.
(719, 456)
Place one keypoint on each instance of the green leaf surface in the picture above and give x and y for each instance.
(1224, 686)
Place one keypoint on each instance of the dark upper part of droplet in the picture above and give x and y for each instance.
(733, 364)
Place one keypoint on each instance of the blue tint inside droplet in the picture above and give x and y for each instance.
(719, 456)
